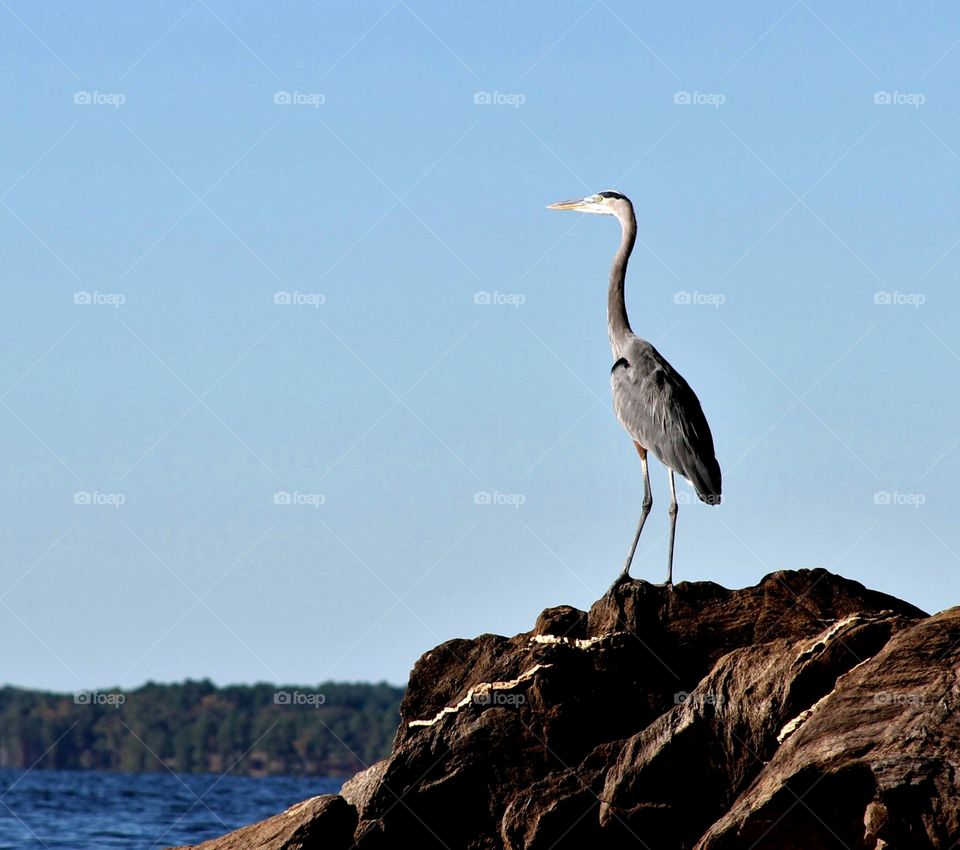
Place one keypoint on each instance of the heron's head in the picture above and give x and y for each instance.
(602, 203)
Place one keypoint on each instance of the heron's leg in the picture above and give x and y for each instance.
(647, 504)
(673, 527)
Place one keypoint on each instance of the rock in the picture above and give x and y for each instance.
(320, 823)
(532, 732)
(875, 764)
(692, 762)
(561, 810)
(562, 621)
(358, 790)
(805, 712)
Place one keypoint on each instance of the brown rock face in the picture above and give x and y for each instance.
(324, 823)
(874, 765)
(805, 712)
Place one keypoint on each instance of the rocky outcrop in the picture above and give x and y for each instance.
(875, 763)
(358, 790)
(320, 822)
(805, 712)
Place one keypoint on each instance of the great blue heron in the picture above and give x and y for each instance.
(651, 399)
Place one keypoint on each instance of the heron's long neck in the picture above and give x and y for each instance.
(617, 322)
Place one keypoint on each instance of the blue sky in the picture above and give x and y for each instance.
(282, 299)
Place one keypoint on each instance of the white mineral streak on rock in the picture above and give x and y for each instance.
(579, 643)
(482, 688)
(818, 643)
(822, 639)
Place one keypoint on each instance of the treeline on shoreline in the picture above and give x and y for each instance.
(333, 729)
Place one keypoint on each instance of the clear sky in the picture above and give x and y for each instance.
(281, 298)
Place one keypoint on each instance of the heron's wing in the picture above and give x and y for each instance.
(663, 414)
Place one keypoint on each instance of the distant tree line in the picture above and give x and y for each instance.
(333, 729)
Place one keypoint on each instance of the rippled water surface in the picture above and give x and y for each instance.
(77, 810)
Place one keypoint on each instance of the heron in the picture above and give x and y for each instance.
(653, 402)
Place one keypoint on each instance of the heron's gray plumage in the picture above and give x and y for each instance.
(659, 410)
(653, 402)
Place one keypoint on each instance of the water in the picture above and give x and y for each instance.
(84, 810)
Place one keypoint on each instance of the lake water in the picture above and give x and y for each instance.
(81, 810)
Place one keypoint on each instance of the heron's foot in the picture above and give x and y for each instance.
(623, 578)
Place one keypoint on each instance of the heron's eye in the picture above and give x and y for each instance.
(598, 199)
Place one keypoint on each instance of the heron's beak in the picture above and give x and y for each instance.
(576, 204)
